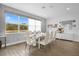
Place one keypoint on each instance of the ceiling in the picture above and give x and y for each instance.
(48, 10)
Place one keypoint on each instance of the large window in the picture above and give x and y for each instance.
(11, 22)
(16, 23)
(31, 25)
(34, 25)
(38, 25)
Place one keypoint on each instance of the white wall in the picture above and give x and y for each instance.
(15, 38)
(68, 35)
(2, 28)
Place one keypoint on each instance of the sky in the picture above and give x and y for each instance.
(12, 18)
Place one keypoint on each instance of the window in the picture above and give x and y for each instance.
(16, 23)
(31, 25)
(11, 22)
(34, 25)
(23, 24)
(38, 25)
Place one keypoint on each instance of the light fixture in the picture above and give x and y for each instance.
(68, 8)
(51, 6)
(43, 7)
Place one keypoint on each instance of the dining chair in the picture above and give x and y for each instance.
(44, 41)
(50, 37)
(30, 42)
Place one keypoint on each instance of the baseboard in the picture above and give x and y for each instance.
(9, 44)
(67, 40)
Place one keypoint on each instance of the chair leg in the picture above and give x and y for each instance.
(39, 43)
(30, 47)
(27, 50)
(25, 46)
(39, 46)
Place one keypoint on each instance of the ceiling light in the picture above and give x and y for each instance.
(51, 6)
(68, 8)
(43, 7)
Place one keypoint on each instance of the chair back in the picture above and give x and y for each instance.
(53, 34)
(31, 39)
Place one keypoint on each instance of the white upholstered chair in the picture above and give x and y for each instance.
(30, 42)
(48, 39)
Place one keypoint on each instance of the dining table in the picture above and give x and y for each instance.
(37, 37)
